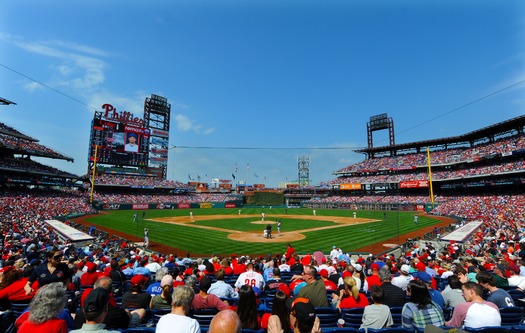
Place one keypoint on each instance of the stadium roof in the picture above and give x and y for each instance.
(4, 101)
(517, 123)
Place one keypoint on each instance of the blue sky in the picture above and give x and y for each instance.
(261, 74)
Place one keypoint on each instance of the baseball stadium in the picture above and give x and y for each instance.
(440, 197)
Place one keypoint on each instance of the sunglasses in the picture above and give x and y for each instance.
(59, 256)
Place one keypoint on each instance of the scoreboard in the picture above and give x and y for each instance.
(119, 143)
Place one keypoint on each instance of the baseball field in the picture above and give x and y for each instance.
(225, 231)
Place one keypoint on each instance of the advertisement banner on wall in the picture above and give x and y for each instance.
(140, 206)
(351, 186)
(413, 184)
(206, 205)
(230, 205)
(184, 205)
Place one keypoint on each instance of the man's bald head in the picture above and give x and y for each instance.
(226, 321)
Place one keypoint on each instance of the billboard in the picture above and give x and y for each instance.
(413, 184)
(350, 186)
(119, 143)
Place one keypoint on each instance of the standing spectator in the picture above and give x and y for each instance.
(177, 320)
(51, 270)
(420, 310)
(377, 315)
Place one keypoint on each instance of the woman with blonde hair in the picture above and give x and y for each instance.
(163, 301)
(350, 297)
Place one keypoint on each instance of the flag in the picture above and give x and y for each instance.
(248, 166)
(198, 177)
(255, 175)
(233, 176)
(236, 169)
(189, 176)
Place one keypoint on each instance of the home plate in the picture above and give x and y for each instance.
(391, 245)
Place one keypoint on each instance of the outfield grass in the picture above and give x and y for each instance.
(204, 241)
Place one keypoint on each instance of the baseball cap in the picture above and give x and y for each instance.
(424, 276)
(405, 269)
(96, 301)
(301, 309)
(285, 289)
(515, 269)
(91, 266)
(421, 266)
(323, 272)
(374, 266)
(501, 268)
(167, 280)
(138, 279)
(358, 267)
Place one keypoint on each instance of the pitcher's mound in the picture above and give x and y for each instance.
(258, 237)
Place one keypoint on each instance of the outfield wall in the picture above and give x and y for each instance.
(168, 205)
(369, 206)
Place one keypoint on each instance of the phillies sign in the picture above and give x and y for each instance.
(126, 117)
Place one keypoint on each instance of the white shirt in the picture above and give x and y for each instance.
(250, 278)
(174, 323)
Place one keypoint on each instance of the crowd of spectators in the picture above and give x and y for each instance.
(27, 165)
(105, 198)
(439, 157)
(109, 179)
(28, 146)
(499, 168)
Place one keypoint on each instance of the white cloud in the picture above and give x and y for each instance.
(79, 66)
(185, 124)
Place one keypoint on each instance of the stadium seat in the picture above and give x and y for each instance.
(18, 308)
(328, 316)
(157, 313)
(511, 316)
(139, 329)
(204, 316)
(396, 314)
(491, 329)
(391, 330)
(447, 313)
(342, 330)
(352, 317)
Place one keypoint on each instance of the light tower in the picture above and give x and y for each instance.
(303, 169)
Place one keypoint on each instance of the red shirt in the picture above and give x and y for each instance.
(89, 278)
(350, 302)
(54, 325)
(373, 280)
(15, 291)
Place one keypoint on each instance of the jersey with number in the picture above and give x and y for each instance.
(251, 278)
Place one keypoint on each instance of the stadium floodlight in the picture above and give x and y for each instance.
(4, 101)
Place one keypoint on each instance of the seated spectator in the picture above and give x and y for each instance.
(117, 317)
(220, 288)
(302, 318)
(44, 310)
(247, 308)
(90, 276)
(500, 297)
(136, 298)
(404, 277)
(226, 321)
(12, 285)
(515, 279)
(178, 317)
(434, 294)
(393, 295)
(453, 294)
(377, 315)
(329, 285)
(95, 310)
(420, 310)
(499, 276)
(279, 311)
(163, 300)
(350, 297)
(203, 300)
(475, 312)
(155, 288)
(372, 280)
(51, 270)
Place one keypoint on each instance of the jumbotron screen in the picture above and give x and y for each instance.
(119, 143)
